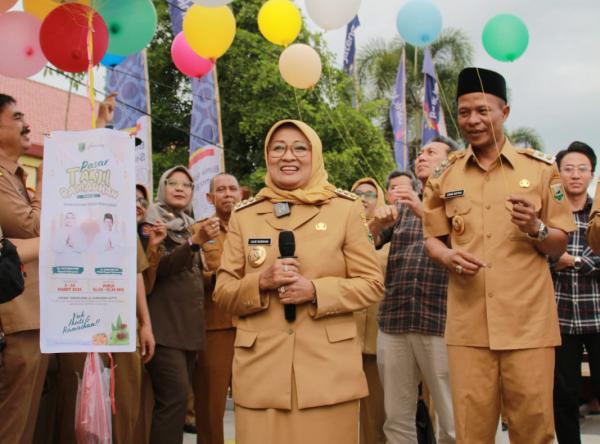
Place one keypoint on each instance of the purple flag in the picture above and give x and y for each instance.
(433, 114)
(398, 117)
(350, 45)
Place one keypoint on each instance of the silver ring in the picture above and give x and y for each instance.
(458, 269)
(281, 289)
(285, 268)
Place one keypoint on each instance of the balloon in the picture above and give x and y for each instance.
(212, 3)
(5, 5)
(505, 37)
(279, 21)
(332, 14)
(419, 22)
(64, 33)
(131, 24)
(300, 66)
(186, 60)
(112, 60)
(20, 52)
(41, 8)
(209, 31)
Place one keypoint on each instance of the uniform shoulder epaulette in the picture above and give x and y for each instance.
(445, 164)
(247, 203)
(346, 194)
(547, 158)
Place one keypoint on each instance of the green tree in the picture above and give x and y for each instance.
(253, 97)
(378, 65)
(526, 137)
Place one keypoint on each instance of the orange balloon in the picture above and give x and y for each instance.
(41, 8)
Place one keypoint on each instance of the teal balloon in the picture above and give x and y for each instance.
(131, 24)
(419, 22)
(505, 37)
(111, 60)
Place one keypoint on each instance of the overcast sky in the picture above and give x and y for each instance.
(555, 85)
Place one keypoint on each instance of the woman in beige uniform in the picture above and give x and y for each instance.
(297, 381)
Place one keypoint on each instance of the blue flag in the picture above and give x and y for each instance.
(433, 113)
(350, 45)
(398, 117)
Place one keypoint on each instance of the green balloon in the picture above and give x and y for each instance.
(505, 37)
(131, 24)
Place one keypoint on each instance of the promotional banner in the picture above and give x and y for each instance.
(88, 243)
(204, 128)
(398, 117)
(433, 113)
(350, 45)
(129, 80)
(204, 164)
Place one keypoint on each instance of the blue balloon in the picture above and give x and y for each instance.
(419, 22)
(112, 60)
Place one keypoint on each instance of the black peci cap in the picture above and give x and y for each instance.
(469, 81)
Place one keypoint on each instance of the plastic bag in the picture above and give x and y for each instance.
(93, 420)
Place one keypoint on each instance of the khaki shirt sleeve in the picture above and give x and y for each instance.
(435, 221)
(555, 212)
(363, 285)
(141, 260)
(593, 233)
(153, 257)
(19, 219)
(235, 292)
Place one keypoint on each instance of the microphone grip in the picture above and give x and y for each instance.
(290, 312)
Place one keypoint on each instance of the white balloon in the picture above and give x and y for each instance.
(300, 66)
(332, 14)
(212, 3)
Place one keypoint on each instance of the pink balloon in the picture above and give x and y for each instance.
(187, 61)
(5, 5)
(20, 52)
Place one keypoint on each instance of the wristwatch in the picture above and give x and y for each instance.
(542, 233)
(577, 263)
(194, 247)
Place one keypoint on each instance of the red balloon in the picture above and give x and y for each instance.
(64, 35)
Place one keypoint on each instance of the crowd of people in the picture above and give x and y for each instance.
(474, 278)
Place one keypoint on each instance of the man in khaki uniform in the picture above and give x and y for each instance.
(502, 210)
(594, 227)
(23, 367)
(212, 375)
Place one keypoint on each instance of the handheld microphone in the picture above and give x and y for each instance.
(287, 248)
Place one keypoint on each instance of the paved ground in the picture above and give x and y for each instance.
(590, 429)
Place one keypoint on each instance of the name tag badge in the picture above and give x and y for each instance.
(453, 194)
(259, 241)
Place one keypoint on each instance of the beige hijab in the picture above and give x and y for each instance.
(373, 182)
(318, 189)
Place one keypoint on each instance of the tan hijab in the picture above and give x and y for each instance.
(373, 182)
(318, 190)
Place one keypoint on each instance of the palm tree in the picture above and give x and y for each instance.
(525, 137)
(377, 65)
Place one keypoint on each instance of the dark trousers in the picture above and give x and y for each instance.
(171, 372)
(567, 383)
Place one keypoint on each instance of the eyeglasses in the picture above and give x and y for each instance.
(174, 184)
(278, 150)
(368, 195)
(142, 202)
(570, 169)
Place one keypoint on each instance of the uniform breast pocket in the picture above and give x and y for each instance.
(514, 233)
(459, 211)
(245, 339)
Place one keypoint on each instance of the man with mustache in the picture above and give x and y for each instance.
(491, 216)
(22, 367)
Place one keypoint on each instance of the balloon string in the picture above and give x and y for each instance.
(298, 104)
(90, 51)
(446, 103)
(493, 134)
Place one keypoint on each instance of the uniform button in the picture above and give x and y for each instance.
(487, 177)
(490, 294)
(488, 207)
(488, 235)
(290, 331)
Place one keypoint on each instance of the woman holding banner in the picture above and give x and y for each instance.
(302, 244)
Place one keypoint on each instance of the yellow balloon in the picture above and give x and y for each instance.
(41, 8)
(300, 66)
(209, 31)
(279, 21)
